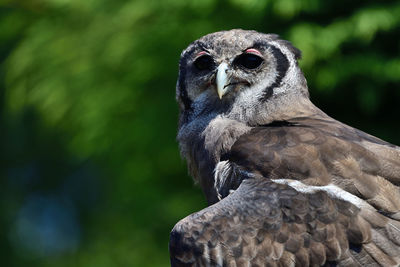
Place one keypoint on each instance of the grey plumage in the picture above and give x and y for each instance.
(287, 184)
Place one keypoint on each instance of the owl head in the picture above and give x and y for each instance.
(237, 72)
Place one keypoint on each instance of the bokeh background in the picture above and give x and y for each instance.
(90, 173)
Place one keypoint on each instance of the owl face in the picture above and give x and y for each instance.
(233, 70)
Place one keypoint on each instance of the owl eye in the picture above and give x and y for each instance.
(204, 62)
(249, 61)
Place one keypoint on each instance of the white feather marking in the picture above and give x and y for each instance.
(218, 255)
(331, 189)
(206, 255)
(222, 170)
(221, 173)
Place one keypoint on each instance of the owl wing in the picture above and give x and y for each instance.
(322, 152)
(264, 223)
(308, 192)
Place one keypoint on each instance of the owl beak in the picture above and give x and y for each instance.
(222, 80)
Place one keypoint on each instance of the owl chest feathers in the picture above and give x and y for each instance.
(202, 143)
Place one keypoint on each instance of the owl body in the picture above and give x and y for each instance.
(286, 184)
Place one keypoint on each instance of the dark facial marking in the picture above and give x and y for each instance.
(281, 61)
(282, 66)
(182, 90)
(183, 95)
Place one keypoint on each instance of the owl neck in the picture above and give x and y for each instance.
(290, 108)
(276, 108)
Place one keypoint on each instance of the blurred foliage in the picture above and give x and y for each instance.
(90, 169)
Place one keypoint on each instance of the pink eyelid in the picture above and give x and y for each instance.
(253, 51)
(201, 53)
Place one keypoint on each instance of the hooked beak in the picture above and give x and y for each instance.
(222, 80)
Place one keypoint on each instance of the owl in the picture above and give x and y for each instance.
(286, 184)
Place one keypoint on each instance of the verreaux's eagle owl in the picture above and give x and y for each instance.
(287, 184)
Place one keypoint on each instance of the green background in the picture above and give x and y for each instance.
(90, 172)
